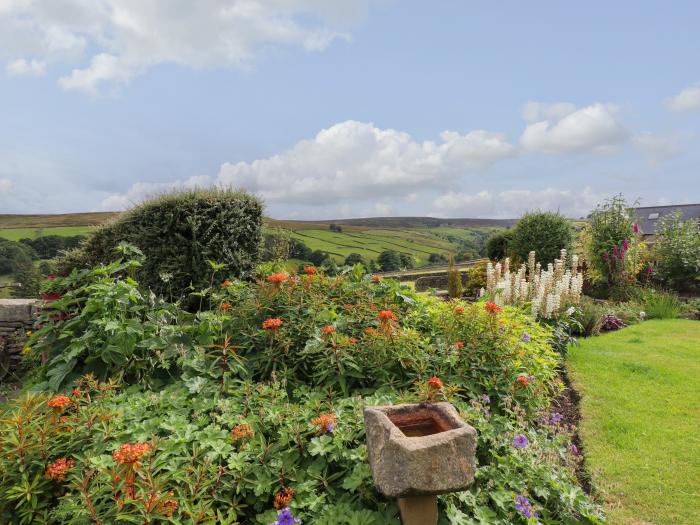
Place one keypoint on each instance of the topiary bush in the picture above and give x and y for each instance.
(178, 233)
(545, 233)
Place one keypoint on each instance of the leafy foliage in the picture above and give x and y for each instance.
(497, 244)
(49, 246)
(179, 233)
(224, 404)
(545, 233)
(454, 281)
(677, 251)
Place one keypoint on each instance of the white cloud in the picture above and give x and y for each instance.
(129, 36)
(35, 68)
(350, 161)
(686, 100)
(6, 186)
(356, 160)
(596, 128)
(657, 148)
(141, 191)
(537, 111)
(513, 203)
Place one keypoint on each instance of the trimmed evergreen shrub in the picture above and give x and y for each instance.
(454, 280)
(179, 233)
(544, 232)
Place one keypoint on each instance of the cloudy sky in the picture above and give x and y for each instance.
(349, 108)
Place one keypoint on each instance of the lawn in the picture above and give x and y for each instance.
(640, 424)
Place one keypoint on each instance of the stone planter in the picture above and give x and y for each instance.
(417, 451)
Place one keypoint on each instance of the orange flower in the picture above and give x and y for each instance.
(272, 324)
(352, 340)
(523, 380)
(169, 505)
(459, 310)
(376, 279)
(57, 470)
(328, 329)
(283, 498)
(242, 431)
(386, 316)
(459, 344)
(492, 308)
(60, 402)
(224, 306)
(370, 331)
(277, 278)
(226, 284)
(130, 454)
(325, 422)
(435, 383)
(77, 392)
(310, 270)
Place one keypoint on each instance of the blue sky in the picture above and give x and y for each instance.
(350, 108)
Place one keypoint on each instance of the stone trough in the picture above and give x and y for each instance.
(417, 451)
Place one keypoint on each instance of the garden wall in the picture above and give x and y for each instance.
(17, 316)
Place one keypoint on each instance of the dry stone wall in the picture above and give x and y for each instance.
(17, 317)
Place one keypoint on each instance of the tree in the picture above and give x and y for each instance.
(389, 261)
(497, 244)
(437, 258)
(335, 227)
(454, 280)
(27, 275)
(353, 259)
(545, 233)
(677, 251)
(406, 260)
(317, 257)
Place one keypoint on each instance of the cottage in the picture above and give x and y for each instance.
(648, 216)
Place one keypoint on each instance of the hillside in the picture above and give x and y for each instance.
(418, 237)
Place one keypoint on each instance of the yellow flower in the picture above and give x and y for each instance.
(26, 350)
(28, 333)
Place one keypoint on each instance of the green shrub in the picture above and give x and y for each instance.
(614, 250)
(497, 245)
(49, 246)
(677, 251)
(476, 278)
(454, 280)
(658, 304)
(179, 233)
(545, 233)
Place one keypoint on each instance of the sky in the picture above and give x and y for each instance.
(350, 108)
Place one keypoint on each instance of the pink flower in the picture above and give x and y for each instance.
(636, 228)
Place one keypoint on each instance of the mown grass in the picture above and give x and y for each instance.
(15, 234)
(640, 424)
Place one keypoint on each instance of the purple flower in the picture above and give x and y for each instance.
(625, 245)
(329, 427)
(556, 418)
(531, 378)
(574, 450)
(285, 518)
(524, 507)
(616, 251)
(520, 441)
(486, 399)
(502, 329)
(525, 337)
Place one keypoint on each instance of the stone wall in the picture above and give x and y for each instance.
(17, 316)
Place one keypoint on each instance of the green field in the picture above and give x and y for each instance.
(418, 242)
(640, 425)
(15, 234)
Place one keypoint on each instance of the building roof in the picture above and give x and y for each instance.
(648, 216)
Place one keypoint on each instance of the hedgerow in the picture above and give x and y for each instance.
(233, 413)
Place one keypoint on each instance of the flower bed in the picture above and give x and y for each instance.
(251, 410)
